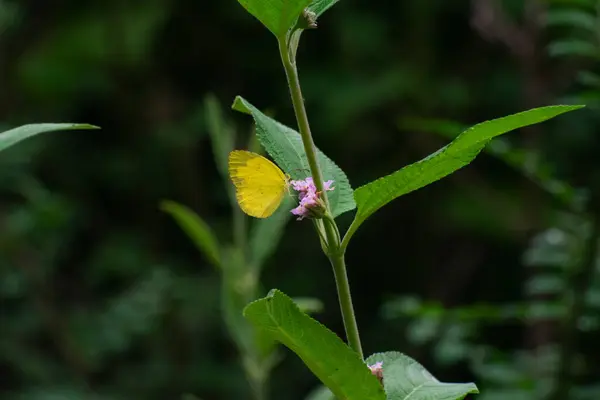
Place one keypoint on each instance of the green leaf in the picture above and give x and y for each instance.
(572, 18)
(196, 229)
(573, 47)
(330, 359)
(404, 379)
(460, 152)
(14, 136)
(527, 162)
(267, 232)
(286, 148)
(277, 15)
(320, 6)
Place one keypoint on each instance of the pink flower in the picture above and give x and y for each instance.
(301, 212)
(377, 370)
(308, 185)
(303, 186)
(309, 201)
(310, 204)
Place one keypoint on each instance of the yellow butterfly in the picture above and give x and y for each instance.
(259, 184)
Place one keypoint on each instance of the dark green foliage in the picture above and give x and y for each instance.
(84, 245)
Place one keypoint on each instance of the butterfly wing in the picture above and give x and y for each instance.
(259, 184)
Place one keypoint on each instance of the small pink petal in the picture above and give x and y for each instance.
(377, 366)
(300, 186)
(310, 184)
(309, 200)
(300, 212)
(377, 370)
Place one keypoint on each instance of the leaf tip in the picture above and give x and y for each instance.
(269, 298)
(246, 311)
(88, 126)
(166, 205)
(77, 126)
(239, 104)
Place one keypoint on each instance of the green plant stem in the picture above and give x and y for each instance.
(304, 127)
(329, 219)
(345, 299)
(581, 281)
(349, 233)
(259, 387)
(331, 232)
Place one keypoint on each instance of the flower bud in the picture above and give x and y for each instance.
(377, 370)
(308, 20)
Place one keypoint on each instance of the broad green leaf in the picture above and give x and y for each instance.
(267, 232)
(320, 6)
(221, 134)
(277, 15)
(460, 152)
(527, 162)
(330, 359)
(286, 148)
(196, 229)
(14, 136)
(405, 379)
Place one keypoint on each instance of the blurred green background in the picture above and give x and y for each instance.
(102, 296)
